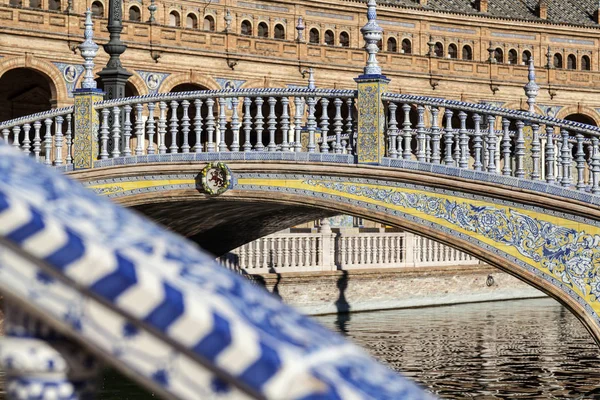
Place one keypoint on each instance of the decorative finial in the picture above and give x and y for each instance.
(69, 9)
(152, 8)
(300, 28)
(88, 50)
(228, 20)
(372, 34)
(549, 60)
(311, 79)
(532, 88)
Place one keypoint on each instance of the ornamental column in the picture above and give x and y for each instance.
(370, 144)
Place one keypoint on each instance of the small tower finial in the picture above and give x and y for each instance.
(372, 33)
(228, 18)
(300, 28)
(532, 88)
(152, 8)
(88, 50)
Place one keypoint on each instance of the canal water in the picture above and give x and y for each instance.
(528, 349)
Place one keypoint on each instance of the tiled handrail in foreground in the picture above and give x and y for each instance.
(154, 306)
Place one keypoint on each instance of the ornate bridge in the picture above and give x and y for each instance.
(514, 188)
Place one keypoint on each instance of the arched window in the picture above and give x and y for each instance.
(174, 19)
(35, 3)
(97, 9)
(380, 45)
(585, 63)
(263, 30)
(525, 57)
(499, 55)
(452, 51)
(329, 38)
(209, 24)
(513, 58)
(344, 39)
(406, 46)
(314, 36)
(15, 3)
(571, 62)
(467, 53)
(134, 14)
(279, 31)
(439, 49)
(392, 45)
(246, 27)
(191, 21)
(54, 5)
(558, 60)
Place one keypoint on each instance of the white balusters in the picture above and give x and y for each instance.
(565, 159)
(492, 140)
(535, 152)
(272, 124)
(37, 145)
(48, 142)
(247, 124)
(421, 145)
(506, 145)
(463, 161)
(151, 129)
(337, 126)
(173, 148)
(185, 127)
(285, 123)
(162, 127)
(550, 177)
(222, 124)
(580, 162)
(311, 124)
(116, 132)
(68, 138)
(406, 133)
(127, 131)
(259, 124)
(16, 132)
(448, 138)
(477, 144)
(198, 126)
(235, 124)
(298, 104)
(58, 140)
(520, 151)
(436, 156)
(324, 125)
(26, 147)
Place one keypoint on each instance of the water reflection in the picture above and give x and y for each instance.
(530, 349)
(527, 349)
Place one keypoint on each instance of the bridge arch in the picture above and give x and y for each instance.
(547, 241)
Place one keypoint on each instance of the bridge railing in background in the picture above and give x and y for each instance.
(492, 139)
(323, 251)
(46, 136)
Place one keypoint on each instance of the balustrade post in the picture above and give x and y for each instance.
(370, 145)
(86, 120)
(327, 257)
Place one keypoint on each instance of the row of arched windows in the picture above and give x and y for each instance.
(191, 21)
(584, 65)
(512, 57)
(53, 5)
(466, 53)
(263, 30)
(392, 46)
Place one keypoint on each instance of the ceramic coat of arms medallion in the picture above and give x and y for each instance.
(216, 178)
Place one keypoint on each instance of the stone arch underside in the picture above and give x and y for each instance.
(547, 241)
